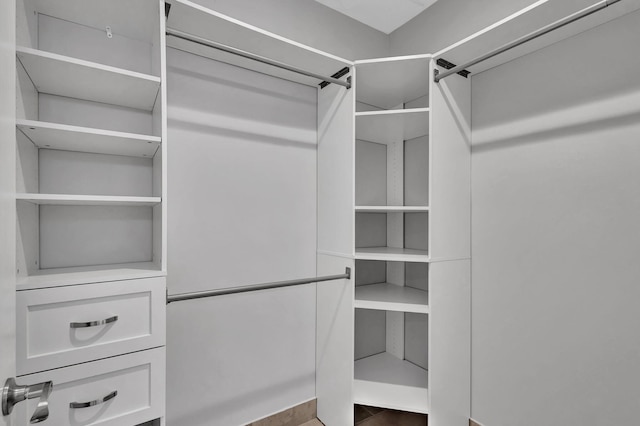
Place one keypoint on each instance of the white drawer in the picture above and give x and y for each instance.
(138, 379)
(46, 339)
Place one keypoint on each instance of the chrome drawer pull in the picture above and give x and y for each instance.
(93, 323)
(94, 402)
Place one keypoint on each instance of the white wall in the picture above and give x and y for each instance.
(241, 210)
(449, 21)
(555, 234)
(310, 23)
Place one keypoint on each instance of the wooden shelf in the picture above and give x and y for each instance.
(75, 78)
(392, 209)
(391, 254)
(388, 83)
(391, 297)
(386, 127)
(385, 381)
(200, 21)
(45, 278)
(84, 139)
(88, 200)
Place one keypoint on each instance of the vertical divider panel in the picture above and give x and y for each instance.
(336, 242)
(450, 210)
(449, 339)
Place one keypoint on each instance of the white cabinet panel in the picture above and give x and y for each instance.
(46, 339)
(137, 379)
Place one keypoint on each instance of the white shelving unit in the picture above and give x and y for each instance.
(85, 139)
(392, 215)
(76, 78)
(90, 199)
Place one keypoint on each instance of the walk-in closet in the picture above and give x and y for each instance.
(319, 212)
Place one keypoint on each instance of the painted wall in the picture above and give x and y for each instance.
(555, 234)
(449, 21)
(310, 23)
(242, 211)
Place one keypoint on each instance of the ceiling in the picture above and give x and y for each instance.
(383, 15)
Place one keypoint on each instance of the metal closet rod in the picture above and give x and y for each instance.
(526, 38)
(255, 287)
(215, 45)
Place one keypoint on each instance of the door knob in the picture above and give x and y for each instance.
(13, 393)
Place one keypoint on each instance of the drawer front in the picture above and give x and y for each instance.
(137, 380)
(62, 326)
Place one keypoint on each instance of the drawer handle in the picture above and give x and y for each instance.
(94, 402)
(93, 323)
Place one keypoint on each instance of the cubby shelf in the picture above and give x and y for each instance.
(391, 209)
(391, 297)
(84, 139)
(88, 200)
(57, 277)
(385, 381)
(389, 82)
(386, 127)
(75, 78)
(391, 254)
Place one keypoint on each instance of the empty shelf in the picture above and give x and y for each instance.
(75, 78)
(391, 254)
(391, 297)
(88, 274)
(88, 200)
(389, 82)
(386, 127)
(84, 139)
(391, 209)
(385, 381)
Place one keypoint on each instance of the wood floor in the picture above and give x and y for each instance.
(372, 416)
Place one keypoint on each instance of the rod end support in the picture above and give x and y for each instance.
(347, 271)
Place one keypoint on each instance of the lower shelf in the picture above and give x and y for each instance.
(385, 381)
(57, 277)
(391, 297)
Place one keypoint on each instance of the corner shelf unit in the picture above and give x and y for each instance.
(392, 220)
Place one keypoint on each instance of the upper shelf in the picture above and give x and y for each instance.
(75, 78)
(202, 22)
(388, 83)
(393, 125)
(538, 15)
(83, 139)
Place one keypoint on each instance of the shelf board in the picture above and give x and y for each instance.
(391, 297)
(386, 127)
(88, 200)
(539, 14)
(392, 209)
(84, 139)
(385, 381)
(75, 78)
(391, 254)
(200, 21)
(58, 277)
(388, 83)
